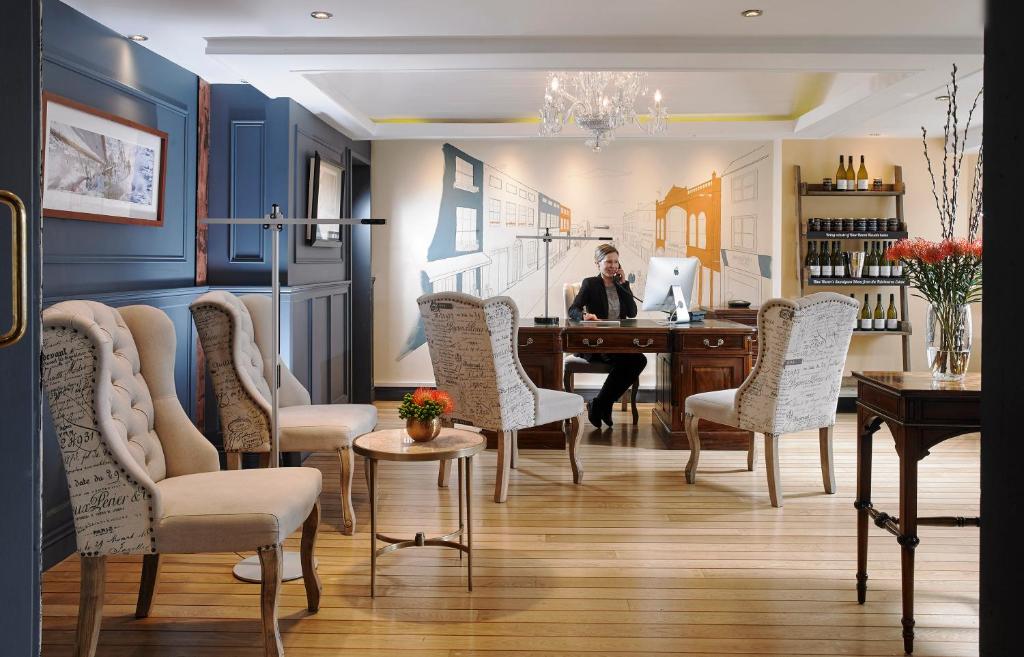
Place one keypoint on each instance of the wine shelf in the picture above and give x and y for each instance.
(904, 329)
(855, 235)
(886, 280)
(811, 189)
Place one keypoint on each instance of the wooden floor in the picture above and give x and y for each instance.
(632, 562)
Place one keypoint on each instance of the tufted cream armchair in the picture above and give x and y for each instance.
(236, 336)
(794, 385)
(142, 479)
(472, 345)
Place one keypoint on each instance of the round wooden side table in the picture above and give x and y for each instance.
(395, 445)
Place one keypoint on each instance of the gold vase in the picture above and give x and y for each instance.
(423, 430)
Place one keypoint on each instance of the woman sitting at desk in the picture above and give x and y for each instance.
(607, 296)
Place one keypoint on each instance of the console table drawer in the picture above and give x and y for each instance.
(711, 342)
(608, 342)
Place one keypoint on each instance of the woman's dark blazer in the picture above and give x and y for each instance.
(593, 296)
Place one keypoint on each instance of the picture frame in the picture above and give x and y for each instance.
(326, 192)
(101, 167)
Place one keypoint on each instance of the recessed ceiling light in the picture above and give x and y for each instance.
(942, 98)
(874, 134)
(321, 15)
(138, 37)
(752, 13)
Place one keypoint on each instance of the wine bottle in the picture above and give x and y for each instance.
(825, 260)
(872, 261)
(838, 270)
(862, 177)
(897, 268)
(841, 176)
(856, 319)
(865, 315)
(879, 317)
(851, 177)
(891, 319)
(812, 260)
(885, 267)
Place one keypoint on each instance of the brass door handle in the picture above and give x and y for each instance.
(600, 341)
(19, 269)
(718, 343)
(636, 342)
(528, 342)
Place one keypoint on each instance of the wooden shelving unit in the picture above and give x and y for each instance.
(896, 190)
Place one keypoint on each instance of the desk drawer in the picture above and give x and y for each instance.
(542, 341)
(610, 342)
(711, 341)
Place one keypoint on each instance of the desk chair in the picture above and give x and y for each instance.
(794, 385)
(236, 336)
(576, 365)
(143, 480)
(472, 345)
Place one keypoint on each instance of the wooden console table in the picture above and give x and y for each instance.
(921, 413)
(691, 358)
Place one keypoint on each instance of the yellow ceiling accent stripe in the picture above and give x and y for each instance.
(672, 118)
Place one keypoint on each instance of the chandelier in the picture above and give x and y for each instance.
(599, 102)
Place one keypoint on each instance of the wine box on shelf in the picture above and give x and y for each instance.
(878, 280)
(855, 235)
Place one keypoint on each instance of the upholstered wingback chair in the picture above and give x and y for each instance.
(793, 387)
(142, 479)
(575, 365)
(472, 345)
(236, 337)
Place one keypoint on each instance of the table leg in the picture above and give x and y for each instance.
(867, 425)
(460, 466)
(371, 483)
(908, 443)
(469, 518)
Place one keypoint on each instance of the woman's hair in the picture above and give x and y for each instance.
(603, 251)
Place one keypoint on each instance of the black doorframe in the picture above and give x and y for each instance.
(20, 394)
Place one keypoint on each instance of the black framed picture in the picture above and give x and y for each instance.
(326, 185)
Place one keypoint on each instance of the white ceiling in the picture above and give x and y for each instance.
(389, 69)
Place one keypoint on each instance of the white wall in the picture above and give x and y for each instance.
(616, 188)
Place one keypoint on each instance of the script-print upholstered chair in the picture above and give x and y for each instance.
(575, 365)
(472, 345)
(142, 479)
(236, 337)
(794, 385)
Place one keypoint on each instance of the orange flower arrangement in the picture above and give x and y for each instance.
(425, 404)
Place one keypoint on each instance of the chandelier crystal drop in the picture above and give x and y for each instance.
(599, 102)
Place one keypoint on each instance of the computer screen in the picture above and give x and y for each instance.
(662, 275)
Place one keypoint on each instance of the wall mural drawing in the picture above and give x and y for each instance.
(475, 248)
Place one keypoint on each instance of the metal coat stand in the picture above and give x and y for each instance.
(547, 238)
(248, 569)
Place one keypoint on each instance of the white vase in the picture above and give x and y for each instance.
(948, 341)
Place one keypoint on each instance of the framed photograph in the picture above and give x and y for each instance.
(326, 182)
(101, 167)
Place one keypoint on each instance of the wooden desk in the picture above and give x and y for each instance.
(690, 358)
(921, 413)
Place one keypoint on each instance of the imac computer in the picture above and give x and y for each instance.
(669, 286)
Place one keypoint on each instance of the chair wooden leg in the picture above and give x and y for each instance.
(504, 471)
(567, 382)
(514, 460)
(632, 401)
(310, 577)
(90, 605)
(828, 471)
(147, 584)
(771, 461)
(347, 459)
(575, 434)
(271, 561)
(752, 453)
(233, 460)
(690, 423)
(444, 469)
